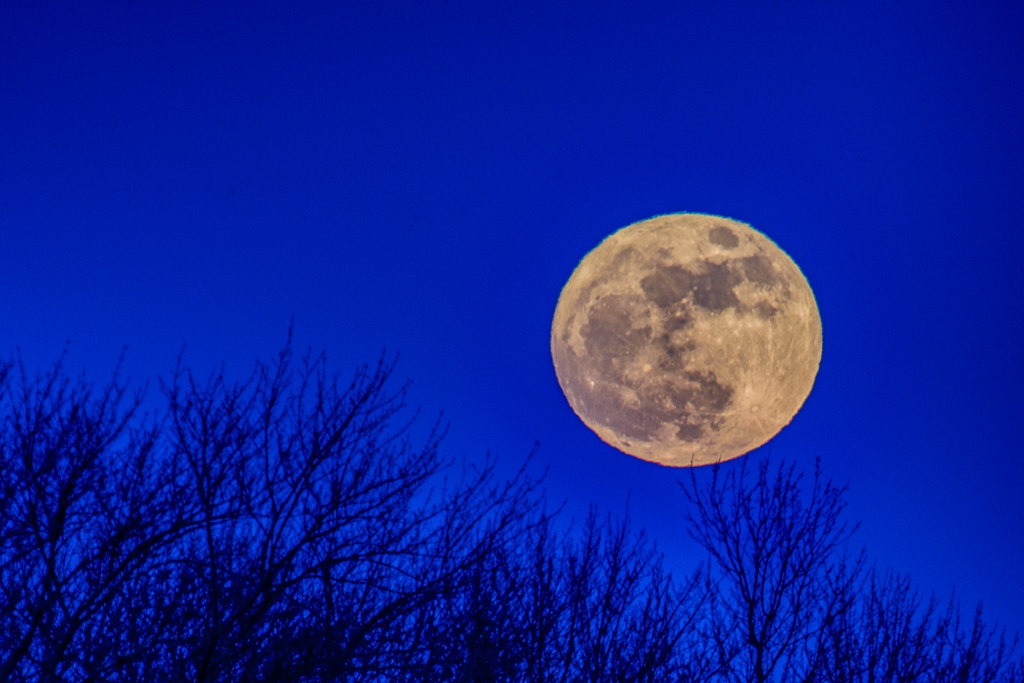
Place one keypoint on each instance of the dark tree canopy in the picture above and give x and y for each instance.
(288, 528)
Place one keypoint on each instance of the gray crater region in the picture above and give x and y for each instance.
(686, 339)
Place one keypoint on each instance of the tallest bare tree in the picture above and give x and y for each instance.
(287, 528)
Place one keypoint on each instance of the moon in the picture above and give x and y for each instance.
(686, 339)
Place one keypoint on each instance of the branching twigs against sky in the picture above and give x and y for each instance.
(287, 527)
(787, 600)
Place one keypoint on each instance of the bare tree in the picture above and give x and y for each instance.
(589, 605)
(319, 534)
(786, 601)
(774, 566)
(274, 528)
(84, 512)
(892, 634)
(286, 527)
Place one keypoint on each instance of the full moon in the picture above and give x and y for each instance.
(686, 339)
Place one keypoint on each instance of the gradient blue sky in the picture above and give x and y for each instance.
(425, 177)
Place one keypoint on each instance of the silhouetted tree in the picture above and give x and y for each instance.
(774, 572)
(273, 529)
(286, 528)
(589, 606)
(787, 602)
(317, 537)
(892, 634)
(86, 507)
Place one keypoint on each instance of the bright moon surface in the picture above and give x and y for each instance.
(686, 339)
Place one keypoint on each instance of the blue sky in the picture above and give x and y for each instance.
(425, 177)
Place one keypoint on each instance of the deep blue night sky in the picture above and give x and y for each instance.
(425, 177)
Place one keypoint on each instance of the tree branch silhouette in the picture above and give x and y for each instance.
(287, 528)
